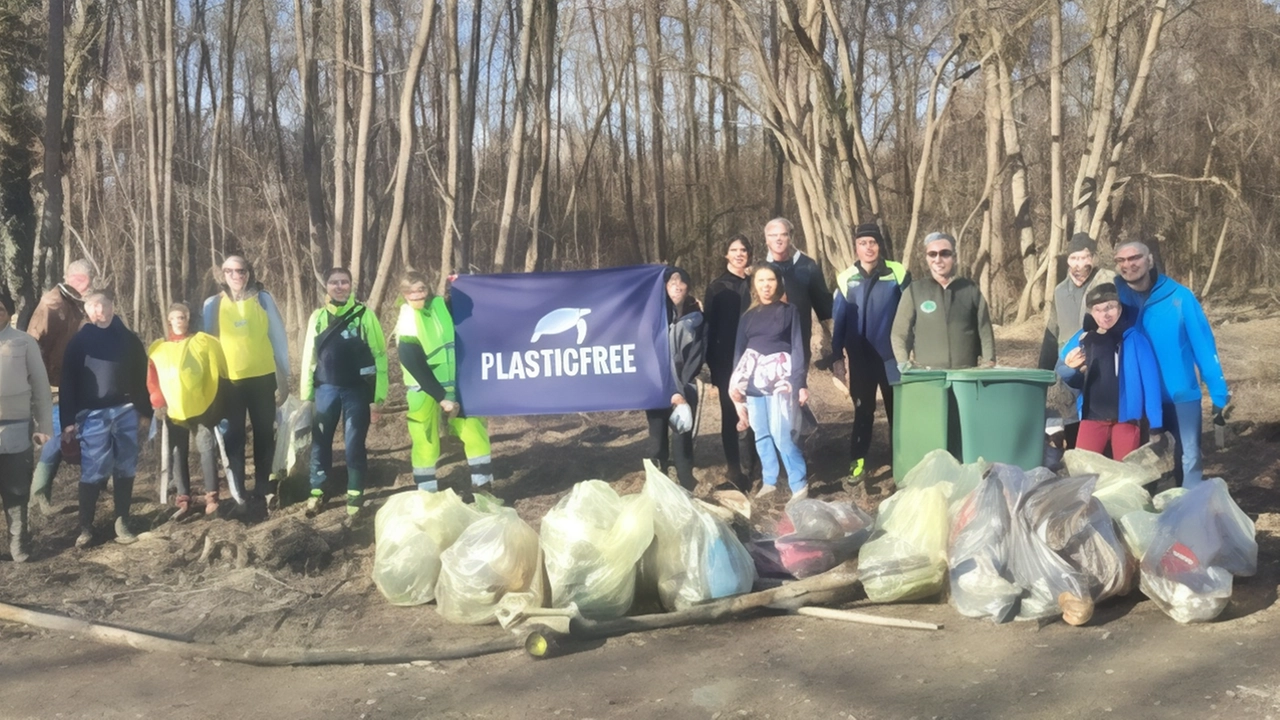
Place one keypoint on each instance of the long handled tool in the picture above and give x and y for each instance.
(165, 466)
(233, 483)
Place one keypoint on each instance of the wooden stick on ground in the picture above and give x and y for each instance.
(866, 619)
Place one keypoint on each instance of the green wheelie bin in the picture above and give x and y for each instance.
(1001, 414)
(924, 418)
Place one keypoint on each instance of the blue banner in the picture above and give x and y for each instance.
(547, 343)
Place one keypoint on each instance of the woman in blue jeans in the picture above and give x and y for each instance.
(768, 382)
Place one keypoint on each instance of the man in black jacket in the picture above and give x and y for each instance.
(802, 279)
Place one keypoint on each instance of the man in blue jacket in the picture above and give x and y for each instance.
(865, 303)
(1172, 319)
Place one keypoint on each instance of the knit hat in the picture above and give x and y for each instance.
(870, 230)
(1081, 241)
(1100, 294)
(673, 270)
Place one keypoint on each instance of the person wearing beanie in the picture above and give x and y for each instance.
(26, 417)
(865, 305)
(1171, 317)
(344, 376)
(726, 299)
(425, 344)
(943, 321)
(1113, 366)
(671, 428)
(57, 318)
(103, 393)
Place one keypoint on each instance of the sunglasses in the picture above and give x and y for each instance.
(939, 254)
(1129, 259)
(234, 271)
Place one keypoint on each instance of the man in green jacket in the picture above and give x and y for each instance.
(942, 320)
(344, 373)
(425, 343)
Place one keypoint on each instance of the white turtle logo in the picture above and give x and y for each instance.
(558, 321)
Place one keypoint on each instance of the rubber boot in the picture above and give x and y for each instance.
(426, 481)
(88, 505)
(42, 487)
(19, 540)
(122, 489)
(355, 491)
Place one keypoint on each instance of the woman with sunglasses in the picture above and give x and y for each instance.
(245, 320)
(942, 320)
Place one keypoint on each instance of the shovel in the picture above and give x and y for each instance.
(165, 455)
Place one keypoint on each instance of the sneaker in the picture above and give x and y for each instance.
(857, 472)
(800, 494)
(273, 502)
(85, 539)
(314, 504)
(353, 511)
(765, 491)
(124, 535)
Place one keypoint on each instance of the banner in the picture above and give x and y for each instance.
(547, 343)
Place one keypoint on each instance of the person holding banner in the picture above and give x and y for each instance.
(425, 341)
(768, 381)
(186, 373)
(686, 338)
(344, 374)
(727, 297)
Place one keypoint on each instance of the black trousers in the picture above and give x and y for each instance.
(667, 447)
(864, 379)
(739, 447)
(257, 397)
(15, 477)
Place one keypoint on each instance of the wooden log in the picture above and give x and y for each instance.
(866, 619)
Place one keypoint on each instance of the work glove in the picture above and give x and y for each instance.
(1219, 416)
(906, 365)
(825, 363)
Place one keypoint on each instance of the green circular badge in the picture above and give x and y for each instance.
(928, 306)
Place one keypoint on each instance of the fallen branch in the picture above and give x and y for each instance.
(865, 619)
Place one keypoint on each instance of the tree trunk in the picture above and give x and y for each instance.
(1057, 218)
(360, 181)
(515, 154)
(51, 219)
(657, 121)
(309, 79)
(340, 142)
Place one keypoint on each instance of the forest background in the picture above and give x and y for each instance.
(156, 136)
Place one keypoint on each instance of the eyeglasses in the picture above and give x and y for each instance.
(1130, 259)
(235, 271)
(939, 254)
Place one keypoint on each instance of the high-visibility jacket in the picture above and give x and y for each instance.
(430, 328)
(365, 327)
(184, 373)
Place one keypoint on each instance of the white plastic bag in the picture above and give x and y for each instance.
(823, 535)
(978, 556)
(410, 532)
(906, 558)
(1120, 484)
(592, 541)
(496, 556)
(1202, 539)
(695, 556)
(940, 467)
(284, 417)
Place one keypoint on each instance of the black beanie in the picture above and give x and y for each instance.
(871, 230)
(1100, 294)
(1081, 241)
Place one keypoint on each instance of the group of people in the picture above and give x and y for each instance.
(80, 384)
(1134, 347)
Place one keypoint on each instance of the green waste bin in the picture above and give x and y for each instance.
(924, 418)
(1001, 414)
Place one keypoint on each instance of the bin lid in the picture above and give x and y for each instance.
(915, 376)
(1003, 374)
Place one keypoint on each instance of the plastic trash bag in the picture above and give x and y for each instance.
(1043, 575)
(592, 540)
(940, 467)
(978, 556)
(1138, 529)
(1120, 484)
(293, 435)
(1201, 541)
(410, 532)
(906, 558)
(1163, 500)
(496, 556)
(681, 419)
(695, 556)
(823, 535)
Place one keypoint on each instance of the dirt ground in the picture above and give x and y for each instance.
(286, 582)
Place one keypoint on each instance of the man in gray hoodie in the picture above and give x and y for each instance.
(26, 415)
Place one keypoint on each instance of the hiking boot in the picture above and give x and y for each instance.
(124, 535)
(85, 539)
(315, 504)
(765, 491)
(184, 507)
(857, 472)
(800, 494)
(355, 501)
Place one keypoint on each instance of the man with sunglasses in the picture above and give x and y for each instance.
(1173, 320)
(943, 321)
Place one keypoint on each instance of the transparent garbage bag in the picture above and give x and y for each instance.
(410, 532)
(497, 555)
(1163, 500)
(1137, 529)
(1043, 575)
(695, 556)
(1201, 540)
(940, 467)
(1120, 484)
(823, 535)
(293, 435)
(906, 558)
(978, 555)
(592, 541)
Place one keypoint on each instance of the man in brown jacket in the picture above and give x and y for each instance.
(57, 318)
(25, 416)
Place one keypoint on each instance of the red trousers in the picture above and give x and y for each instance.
(1124, 437)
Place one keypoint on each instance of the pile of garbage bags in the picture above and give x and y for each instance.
(411, 532)
(1013, 544)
